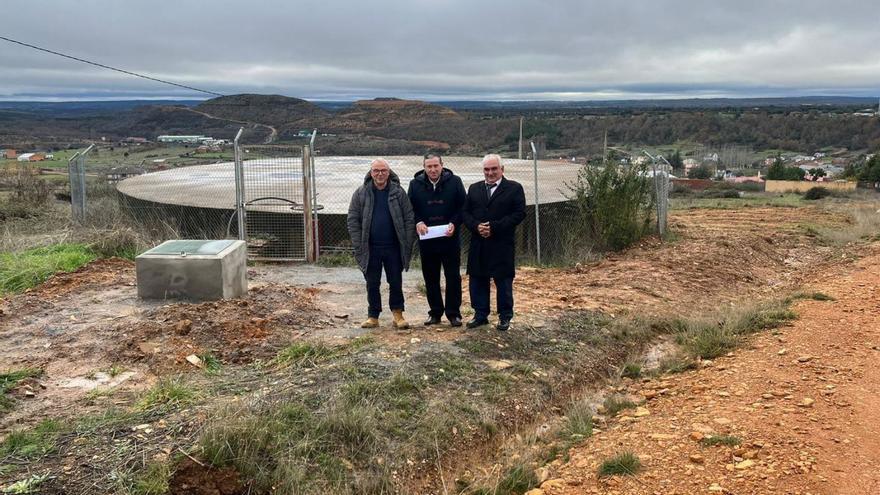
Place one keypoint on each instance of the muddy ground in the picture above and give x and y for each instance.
(89, 333)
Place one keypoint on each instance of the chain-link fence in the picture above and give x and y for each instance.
(293, 202)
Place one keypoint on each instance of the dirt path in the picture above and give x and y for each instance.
(802, 401)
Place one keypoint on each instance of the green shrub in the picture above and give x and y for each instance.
(817, 192)
(613, 204)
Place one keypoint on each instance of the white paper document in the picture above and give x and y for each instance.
(434, 232)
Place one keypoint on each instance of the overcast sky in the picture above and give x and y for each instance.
(444, 49)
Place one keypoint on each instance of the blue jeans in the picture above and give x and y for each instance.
(389, 258)
(479, 289)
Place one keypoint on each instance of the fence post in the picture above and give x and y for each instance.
(664, 194)
(309, 236)
(239, 188)
(537, 214)
(76, 194)
(316, 239)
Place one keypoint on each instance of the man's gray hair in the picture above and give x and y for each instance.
(380, 160)
(492, 156)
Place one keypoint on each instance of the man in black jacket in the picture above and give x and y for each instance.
(492, 210)
(437, 196)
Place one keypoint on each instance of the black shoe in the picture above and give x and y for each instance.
(432, 320)
(476, 323)
(503, 325)
(455, 321)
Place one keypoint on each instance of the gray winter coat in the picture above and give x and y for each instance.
(360, 217)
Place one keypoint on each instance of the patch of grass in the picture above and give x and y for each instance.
(820, 296)
(152, 480)
(613, 404)
(115, 370)
(517, 479)
(26, 269)
(708, 341)
(31, 484)
(726, 440)
(168, 393)
(578, 422)
(864, 226)
(300, 354)
(9, 380)
(33, 443)
(333, 260)
(423, 290)
(212, 365)
(677, 363)
(361, 342)
(631, 370)
(622, 464)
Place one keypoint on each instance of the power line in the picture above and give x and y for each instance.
(108, 67)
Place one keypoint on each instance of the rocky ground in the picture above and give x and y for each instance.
(800, 401)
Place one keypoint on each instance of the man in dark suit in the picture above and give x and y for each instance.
(437, 196)
(492, 210)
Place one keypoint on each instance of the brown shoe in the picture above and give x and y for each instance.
(370, 323)
(399, 322)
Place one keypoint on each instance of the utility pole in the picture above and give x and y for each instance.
(519, 151)
(605, 147)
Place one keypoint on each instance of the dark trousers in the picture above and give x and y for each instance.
(479, 289)
(389, 258)
(450, 261)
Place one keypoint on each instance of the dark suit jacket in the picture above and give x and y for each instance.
(494, 256)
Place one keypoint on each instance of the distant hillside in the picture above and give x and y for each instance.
(271, 110)
(390, 112)
(152, 121)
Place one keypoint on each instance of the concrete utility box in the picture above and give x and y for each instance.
(194, 270)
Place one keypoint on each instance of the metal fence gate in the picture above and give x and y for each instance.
(273, 201)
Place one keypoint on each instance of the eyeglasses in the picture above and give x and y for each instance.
(378, 171)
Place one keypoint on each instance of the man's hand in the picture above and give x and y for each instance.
(421, 228)
(450, 230)
(484, 229)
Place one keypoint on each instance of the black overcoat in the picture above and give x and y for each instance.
(494, 256)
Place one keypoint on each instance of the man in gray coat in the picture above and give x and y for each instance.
(382, 230)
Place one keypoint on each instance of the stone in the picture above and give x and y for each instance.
(498, 364)
(696, 436)
(722, 421)
(415, 340)
(746, 464)
(715, 487)
(661, 436)
(641, 412)
(551, 484)
(183, 327)
(542, 474)
(805, 359)
(535, 491)
(807, 402)
(194, 360)
(696, 458)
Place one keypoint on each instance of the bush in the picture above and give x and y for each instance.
(613, 204)
(817, 192)
(701, 172)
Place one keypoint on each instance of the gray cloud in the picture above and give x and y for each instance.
(446, 49)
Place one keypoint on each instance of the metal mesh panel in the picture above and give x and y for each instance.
(273, 197)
